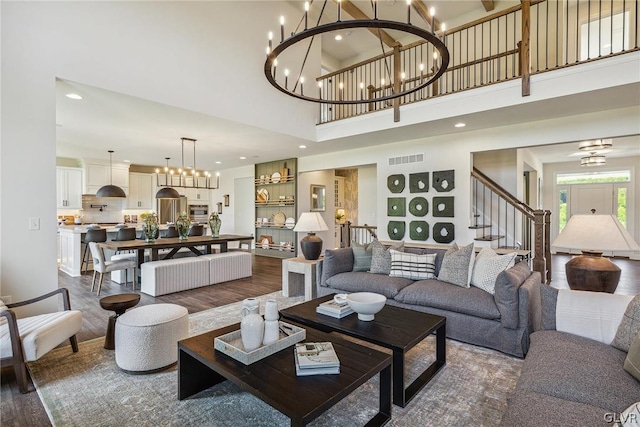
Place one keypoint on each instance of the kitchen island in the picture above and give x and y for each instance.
(71, 244)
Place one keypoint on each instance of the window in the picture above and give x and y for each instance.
(593, 177)
(562, 208)
(622, 205)
(604, 36)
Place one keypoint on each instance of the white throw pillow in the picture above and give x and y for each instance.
(487, 266)
(412, 266)
(630, 417)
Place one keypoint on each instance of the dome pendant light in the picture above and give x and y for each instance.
(110, 190)
(166, 192)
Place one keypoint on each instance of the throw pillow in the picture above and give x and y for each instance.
(632, 362)
(486, 268)
(381, 259)
(549, 301)
(361, 256)
(630, 417)
(412, 266)
(457, 265)
(629, 326)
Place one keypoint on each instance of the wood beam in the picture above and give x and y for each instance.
(488, 5)
(423, 11)
(356, 13)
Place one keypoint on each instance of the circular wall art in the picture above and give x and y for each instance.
(442, 207)
(396, 206)
(443, 232)
(418, 230)
(396, 230)
(444, 181)
(419, 182)
(395, 183)
(419, 206)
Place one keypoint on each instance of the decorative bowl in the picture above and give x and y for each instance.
(366, 304)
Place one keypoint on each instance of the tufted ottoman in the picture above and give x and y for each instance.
(147, 337)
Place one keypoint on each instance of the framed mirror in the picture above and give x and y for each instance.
(318, 198)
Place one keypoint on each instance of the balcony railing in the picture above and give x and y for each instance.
(544, 35)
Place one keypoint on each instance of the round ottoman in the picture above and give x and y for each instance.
(147, 337)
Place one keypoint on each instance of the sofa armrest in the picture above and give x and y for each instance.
(529, 306)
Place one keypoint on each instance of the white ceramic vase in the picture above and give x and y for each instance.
(271, 310)
(271, 331)
(252, 325)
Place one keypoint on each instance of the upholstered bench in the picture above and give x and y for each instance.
(174, 275)
(227, 266)
(147, 337)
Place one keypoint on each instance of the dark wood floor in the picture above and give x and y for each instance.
(26, 409)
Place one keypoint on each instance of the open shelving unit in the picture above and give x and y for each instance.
(276, 208)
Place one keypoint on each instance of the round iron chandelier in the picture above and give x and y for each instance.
(420, 81)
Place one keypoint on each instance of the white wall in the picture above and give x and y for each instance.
(323, 177)
(367, 195)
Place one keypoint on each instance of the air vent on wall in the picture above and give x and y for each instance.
(402, 160)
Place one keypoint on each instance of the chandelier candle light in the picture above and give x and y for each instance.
(416, 79)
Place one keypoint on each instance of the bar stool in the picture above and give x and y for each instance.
(97, 235)
(124, 234)
(196, 230)
(171, 231)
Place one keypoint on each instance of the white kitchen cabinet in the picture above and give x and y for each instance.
(338, 187)
(198, 195)
(97, 175)
(68, 188)
(140, 191)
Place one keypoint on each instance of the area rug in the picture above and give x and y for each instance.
(87, 388)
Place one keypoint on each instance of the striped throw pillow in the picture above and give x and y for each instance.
(412, 266)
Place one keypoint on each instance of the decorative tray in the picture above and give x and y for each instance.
(231, 344)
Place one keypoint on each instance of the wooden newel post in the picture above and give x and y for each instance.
(371, 91)
(547, 243)
(539, 263)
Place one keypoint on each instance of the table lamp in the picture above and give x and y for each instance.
(311, 245)
(593, 234)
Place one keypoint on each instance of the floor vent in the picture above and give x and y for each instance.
(402, 160)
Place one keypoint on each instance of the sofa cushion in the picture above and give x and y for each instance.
(457, 265)
(359, 281)
(362, 255)
(578, 369)
(336, 261)
(548, 300)
(412, 266)
(632, 362)
(630, 417)
(530, 409)
(445, 296)
(629, 326)
(506, 293)
(424, 251)
(381, 259)
(487, 266)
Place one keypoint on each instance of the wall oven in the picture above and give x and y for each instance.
(199, 213)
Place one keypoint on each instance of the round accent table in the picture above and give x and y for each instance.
(118, 303)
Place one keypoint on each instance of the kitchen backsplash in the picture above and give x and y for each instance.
(104, 210)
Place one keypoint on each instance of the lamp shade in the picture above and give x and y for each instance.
(311, 245)
(167, 193)
(595, 232)
(110, 191)
(310, 222)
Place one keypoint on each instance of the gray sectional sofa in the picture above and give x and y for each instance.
(502, 321)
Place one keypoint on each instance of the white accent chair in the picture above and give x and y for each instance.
(101, 266)
(29, 338)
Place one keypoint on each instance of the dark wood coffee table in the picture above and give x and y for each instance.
(395, 328)
(274, 380)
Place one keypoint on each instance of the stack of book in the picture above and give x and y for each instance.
(316, 358)
(333, 309)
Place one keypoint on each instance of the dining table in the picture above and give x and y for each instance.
(195, 244)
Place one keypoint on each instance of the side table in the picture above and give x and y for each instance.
(299, 277)
(118, 303)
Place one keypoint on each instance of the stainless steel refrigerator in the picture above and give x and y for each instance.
(169, 209)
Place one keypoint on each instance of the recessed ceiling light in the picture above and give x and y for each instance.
(218, 162)
(302, 146)
(338, 37)
(127, 161)
(74, 96)
(460, 125)
(243, 158)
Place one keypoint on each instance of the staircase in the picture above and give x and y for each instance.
(503, 221)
